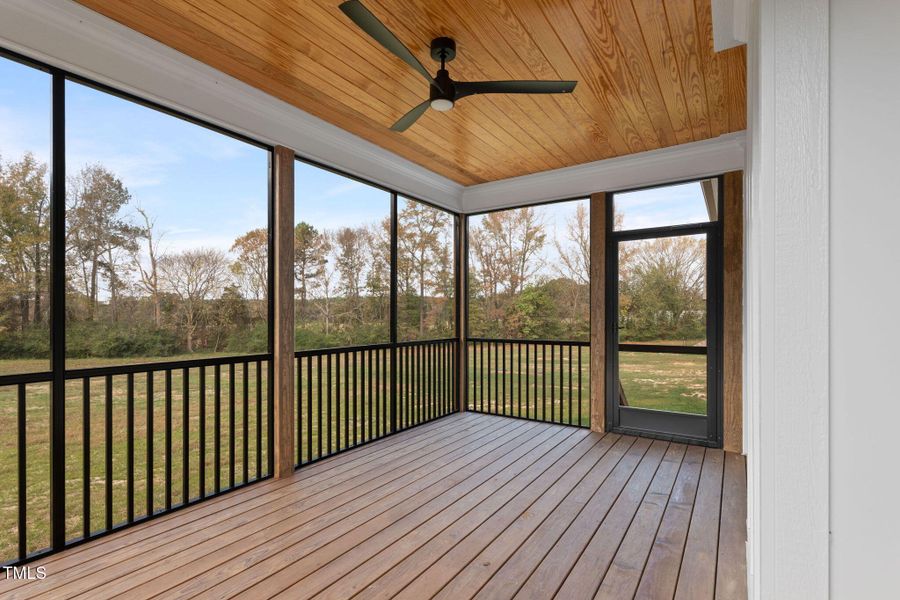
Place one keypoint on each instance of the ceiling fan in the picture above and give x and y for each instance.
(444, 91)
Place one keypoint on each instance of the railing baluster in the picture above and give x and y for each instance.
(379, 395)
(503, 376)
(362, 391)
(150, 502)
(130, 445)
(168, 386)
(259, 419)
(579, 385)
(347, 439)
(246, 409)
(357, 397)
(185, 435)
(231, 425)
(309, 403)
(544, 382)
(201, 430)
(217, 427)
(371, 389)
(336, 382)
(330, 408)
(108, 443)
(319, 399)
(299, 440)
(86, 455)
(528, 382)
(23, 462)
(570, 385)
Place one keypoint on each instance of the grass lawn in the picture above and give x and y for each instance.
(669, 382)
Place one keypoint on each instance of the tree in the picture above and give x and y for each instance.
(351, 244)
(323, 286)
(506, 249)
(251, 267)
(421, 232)
(24, 237)
(148, 275)
(309, 261)
(575, 252)
(96, 227)
(663, 286)
(194, 277)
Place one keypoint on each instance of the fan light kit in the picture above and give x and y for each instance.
(444, 92)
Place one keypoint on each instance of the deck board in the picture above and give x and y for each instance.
(467, 506)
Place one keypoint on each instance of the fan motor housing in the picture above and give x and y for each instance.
(443, 48)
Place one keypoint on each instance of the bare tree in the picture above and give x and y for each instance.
(148, 275)
(575, 251)
(194, 277)
(323, 287)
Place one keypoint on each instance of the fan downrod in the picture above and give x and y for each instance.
(443, 49)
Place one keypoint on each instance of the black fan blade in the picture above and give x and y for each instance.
(468, 88)
(411, 117)
(369, 23)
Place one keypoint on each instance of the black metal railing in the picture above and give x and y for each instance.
(140, 440)
(350, 396)
(542, 380)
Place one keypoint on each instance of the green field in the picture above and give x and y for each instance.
(661, 381)
(675, 382)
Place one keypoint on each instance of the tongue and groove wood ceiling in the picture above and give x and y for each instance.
(648, 76)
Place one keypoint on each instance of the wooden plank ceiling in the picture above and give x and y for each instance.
(648, 75)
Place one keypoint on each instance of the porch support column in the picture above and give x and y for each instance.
(598, 311)
(283, 312)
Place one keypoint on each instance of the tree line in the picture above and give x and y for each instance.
(128, 294)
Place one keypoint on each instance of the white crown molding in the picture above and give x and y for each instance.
(67, 35)
(697, 159)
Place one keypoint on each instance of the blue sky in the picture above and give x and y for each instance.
(205, 189)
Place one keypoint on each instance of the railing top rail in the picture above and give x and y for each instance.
(380, 346)
(19, 378)
(151, 367)
(533, 342)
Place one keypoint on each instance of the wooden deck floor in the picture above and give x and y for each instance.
(467, 506)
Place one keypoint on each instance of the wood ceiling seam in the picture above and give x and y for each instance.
(712, 69)
(551, 106)
(542, 30)
(566, 21)
(637, 62)
(652, 12)
(691, 73)
(603, 43)
(569, 104)
(245, 72)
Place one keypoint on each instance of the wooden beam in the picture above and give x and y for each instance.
(462, 297)
(283, 289)
(598, 311)
(733, 310)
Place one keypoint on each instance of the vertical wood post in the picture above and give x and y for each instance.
(598, 311)
(733, 313)
(283, 313)
(462, 297)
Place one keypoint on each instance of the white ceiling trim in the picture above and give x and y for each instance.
(687, 161)
(69, 36)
